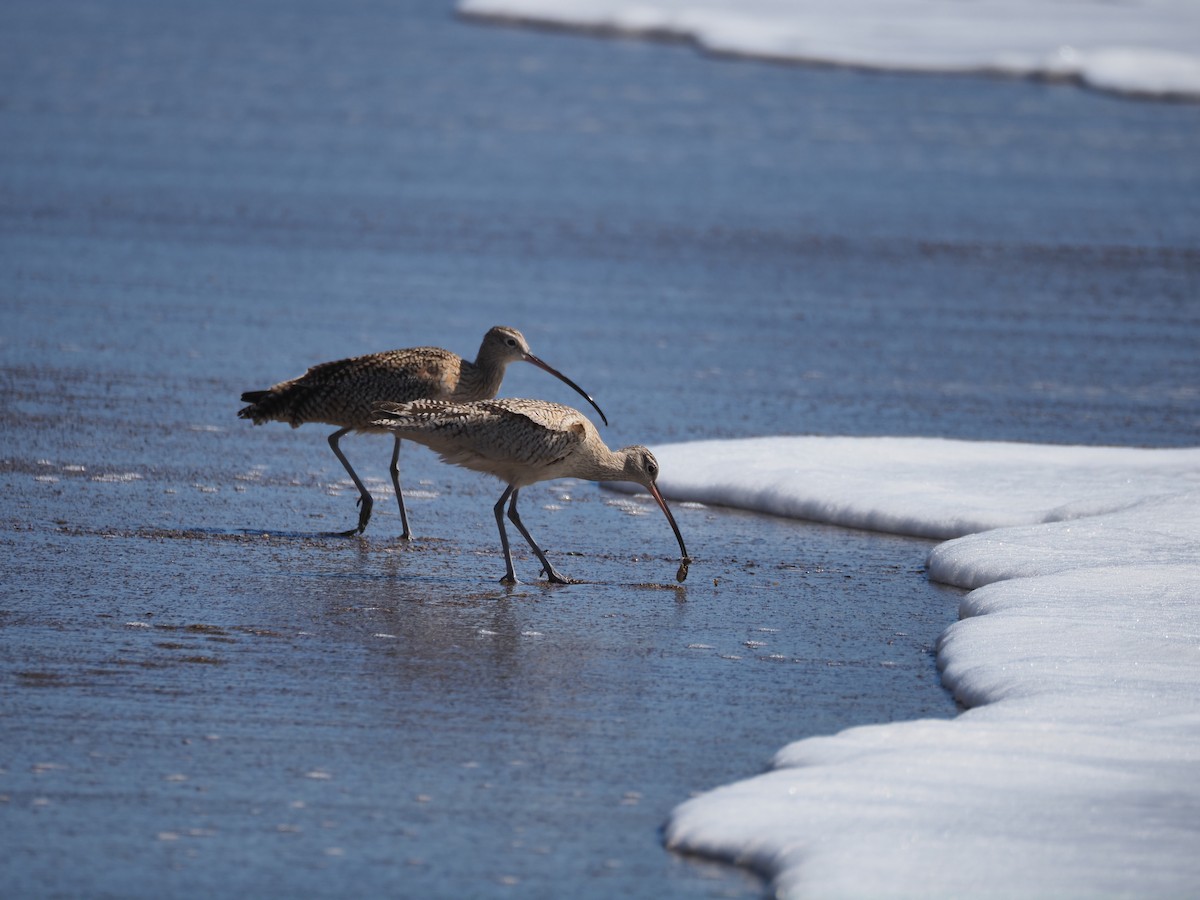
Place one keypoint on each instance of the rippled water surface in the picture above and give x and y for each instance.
(203, 694)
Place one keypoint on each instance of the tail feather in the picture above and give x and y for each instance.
(297, 402)
(255, 411)
(389, 411)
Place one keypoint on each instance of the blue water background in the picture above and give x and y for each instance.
(197, 200)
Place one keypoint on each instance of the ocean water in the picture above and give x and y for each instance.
(201, 201)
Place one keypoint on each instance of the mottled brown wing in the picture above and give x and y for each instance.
(475, 435)
(535, 431)
(345, 392)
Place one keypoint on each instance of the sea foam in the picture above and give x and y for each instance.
(1145, 47)
(1075, 770)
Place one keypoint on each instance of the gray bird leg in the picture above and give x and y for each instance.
(510, 576)
(364, 496)
(551, 573)
(405, 534)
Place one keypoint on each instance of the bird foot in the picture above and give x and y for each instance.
(364, 504)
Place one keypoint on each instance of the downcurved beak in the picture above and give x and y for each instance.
(530, 358)
(685, 560)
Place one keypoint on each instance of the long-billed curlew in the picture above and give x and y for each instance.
(345, 393)
(522, 442)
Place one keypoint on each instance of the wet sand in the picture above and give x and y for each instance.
(290, 714)
(204, 695)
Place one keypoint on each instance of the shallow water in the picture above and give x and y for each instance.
(283, 713)
(203, 695)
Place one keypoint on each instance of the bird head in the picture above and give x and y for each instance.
(505, 345)
(641, 467)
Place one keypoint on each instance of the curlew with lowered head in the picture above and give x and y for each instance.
(345, 393)
(522, 442)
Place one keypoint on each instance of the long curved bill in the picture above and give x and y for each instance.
(685, 560)
(530, 358)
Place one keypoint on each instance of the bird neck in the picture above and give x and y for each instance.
(607, 465)
(481, 379)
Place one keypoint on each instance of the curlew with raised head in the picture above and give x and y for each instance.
(345, 393)
(522, 442)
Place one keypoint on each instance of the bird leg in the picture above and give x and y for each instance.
(510, 576)
(551, 573)
(405, 534)
(364, 496)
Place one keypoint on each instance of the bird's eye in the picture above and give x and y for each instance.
(512, 342)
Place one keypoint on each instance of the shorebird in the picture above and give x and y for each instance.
(523, 442)
(345, 393)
